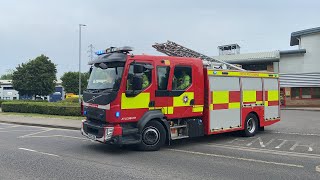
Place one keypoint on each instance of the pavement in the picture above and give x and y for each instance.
(41, 121)
(289, 149)
(302, 108)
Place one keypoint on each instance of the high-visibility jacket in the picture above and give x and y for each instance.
(145, 81)
(185, 82)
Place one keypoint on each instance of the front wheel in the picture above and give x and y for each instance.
(153, 136)
(251, 125)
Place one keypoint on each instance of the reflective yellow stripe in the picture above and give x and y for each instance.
(266, 103)
(211, 106)
(273, 95)
(197, 108)
(179, 101)
(164, 110)
(242, 74)
(249, 96)
(220, 97)
(235, 105)
(170, 110)
(140, 101)
(259, 102)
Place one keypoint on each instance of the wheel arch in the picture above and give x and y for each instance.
(257, 116)
(155, 115)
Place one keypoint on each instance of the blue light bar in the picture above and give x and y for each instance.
(124, 49)
(101, 52)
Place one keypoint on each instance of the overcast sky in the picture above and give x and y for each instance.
(29, 28)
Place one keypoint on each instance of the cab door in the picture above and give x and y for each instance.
(133, 106)
(163, 100)
(183, 91)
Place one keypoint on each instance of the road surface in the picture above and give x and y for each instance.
(287, 150)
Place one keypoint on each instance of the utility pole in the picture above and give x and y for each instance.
(90, 51)
(80, 25)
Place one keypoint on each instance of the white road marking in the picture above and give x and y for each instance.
(11, 127)
(31, 150)
(41, 127)
(237, 158)
(266, 151)
(73, 137)
(281, 144)
(292, 133)
(297, 144)
(18, 130)
(318, 168)
(260, 142)
(47, 130)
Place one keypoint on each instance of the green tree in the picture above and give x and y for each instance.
(70, 82)
(7, 76)
(36, 77)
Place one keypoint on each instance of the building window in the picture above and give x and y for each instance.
(305, 93)
(315, 93)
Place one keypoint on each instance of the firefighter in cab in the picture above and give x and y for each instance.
(182, 82)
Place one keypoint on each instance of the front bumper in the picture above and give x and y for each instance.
(109, 134)
(97, 132)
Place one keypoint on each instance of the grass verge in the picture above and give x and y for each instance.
(42, 115)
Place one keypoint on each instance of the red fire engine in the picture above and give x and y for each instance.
(139, 99)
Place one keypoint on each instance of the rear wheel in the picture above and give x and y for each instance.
(153, 136)
(251, 125)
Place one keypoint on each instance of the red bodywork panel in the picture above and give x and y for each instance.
(133, 115)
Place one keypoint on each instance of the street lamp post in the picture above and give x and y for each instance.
(80, 25)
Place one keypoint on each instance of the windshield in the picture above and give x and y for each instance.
(105, 76)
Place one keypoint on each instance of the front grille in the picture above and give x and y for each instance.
(93, 128)
(95, 114)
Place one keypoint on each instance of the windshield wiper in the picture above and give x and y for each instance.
(100, 91)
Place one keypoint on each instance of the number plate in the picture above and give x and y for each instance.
(92, 137)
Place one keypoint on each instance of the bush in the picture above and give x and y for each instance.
(1, 101)
(62, 109)
(71, 99)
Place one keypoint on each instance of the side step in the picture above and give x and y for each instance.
(179, 132)
(179, 137)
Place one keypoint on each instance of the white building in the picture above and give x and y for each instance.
(299, 69)
(6, 90)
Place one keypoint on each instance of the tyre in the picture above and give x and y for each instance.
(153, 136)
(250, 125)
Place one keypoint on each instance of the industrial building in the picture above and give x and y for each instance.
(299, 69)
(8, 93)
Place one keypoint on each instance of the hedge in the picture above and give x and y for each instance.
(71, 99)
(62, 109)
(2, 101)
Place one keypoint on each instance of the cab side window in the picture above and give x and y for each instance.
(146, 78)
(163, 77)
(182, 78)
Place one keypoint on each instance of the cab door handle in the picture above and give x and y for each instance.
(151, 103)
(191, 102)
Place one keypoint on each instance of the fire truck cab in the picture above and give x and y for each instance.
(151, 100)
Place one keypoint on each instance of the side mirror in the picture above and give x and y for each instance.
(136, 86)
(137, 83)
(138, 68)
